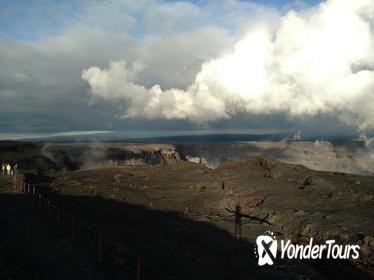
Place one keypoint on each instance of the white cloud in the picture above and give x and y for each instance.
(319, 60)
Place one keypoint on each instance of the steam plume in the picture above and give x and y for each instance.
(319, 60)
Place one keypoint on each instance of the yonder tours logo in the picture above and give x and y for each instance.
(268, 249)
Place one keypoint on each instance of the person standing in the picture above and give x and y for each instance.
(8, 169)
(15, 167)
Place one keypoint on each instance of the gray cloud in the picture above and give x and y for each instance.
(40, 84)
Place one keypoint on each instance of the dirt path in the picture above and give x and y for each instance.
(28, 250)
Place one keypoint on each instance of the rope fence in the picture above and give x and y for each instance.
(108, 251)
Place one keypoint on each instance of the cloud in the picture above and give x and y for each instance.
(176, 45)
(40, 84)
(316, 61)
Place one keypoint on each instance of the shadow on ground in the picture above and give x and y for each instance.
(180, 247)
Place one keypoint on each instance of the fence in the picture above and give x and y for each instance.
(109, 252)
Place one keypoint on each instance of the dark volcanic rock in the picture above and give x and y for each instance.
(291, 200)
(192, 202)
(305, 203)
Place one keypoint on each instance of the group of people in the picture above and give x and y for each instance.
(9, 170)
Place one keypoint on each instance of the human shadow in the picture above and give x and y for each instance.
(241, 218)
(238, 222)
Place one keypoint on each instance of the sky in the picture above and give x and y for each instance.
(157, 65)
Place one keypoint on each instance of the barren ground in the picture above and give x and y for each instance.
(182, 216)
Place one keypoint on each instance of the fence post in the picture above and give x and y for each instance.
(138, 266)
(48, 209)
(100, 251)
(40, 201)
(58, 218)
(72, 228)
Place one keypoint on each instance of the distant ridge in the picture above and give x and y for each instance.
(216, 138)
(198, 137)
